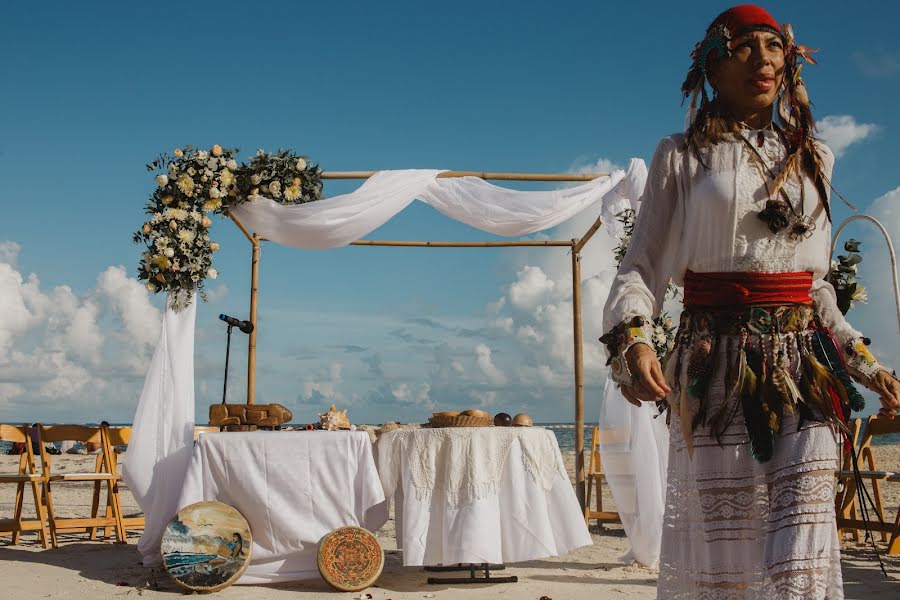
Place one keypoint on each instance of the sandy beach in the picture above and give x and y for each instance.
(100, 570)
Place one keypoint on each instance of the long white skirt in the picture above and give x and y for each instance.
(735, 528)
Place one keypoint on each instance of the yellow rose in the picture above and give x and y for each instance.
(161, 261)
(167, 200)
(205, 221)
(296, 181)
(146, 227)
(214, 246)
(178, 152)
(173, 224)
(160, 278)
(217, 150)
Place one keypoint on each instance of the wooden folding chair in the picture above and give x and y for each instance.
(844, 500)
(83, 434)
(847, 515)
(595, 479)
(118, 436)
(27, 474)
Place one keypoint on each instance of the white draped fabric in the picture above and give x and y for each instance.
(293, 488)
(634, 445)
(479, 495)
(343, 219)
(160, 448)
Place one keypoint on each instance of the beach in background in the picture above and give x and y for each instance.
(104, 570)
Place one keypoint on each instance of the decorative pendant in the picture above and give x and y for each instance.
(802, 227)
(776, 215)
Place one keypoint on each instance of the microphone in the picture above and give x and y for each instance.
(245, 326)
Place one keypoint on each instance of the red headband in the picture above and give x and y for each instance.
(746, 16)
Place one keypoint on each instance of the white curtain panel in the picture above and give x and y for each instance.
(162, 438)
(634, 445)
(501, 211)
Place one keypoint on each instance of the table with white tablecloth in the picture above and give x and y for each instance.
(292, 487)
(479, 495)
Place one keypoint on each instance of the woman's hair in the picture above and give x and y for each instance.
(711, 121)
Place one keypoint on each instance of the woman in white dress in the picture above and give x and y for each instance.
(758, 387)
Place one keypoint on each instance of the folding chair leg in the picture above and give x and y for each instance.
(51, 515)
(20, 493)
(43, 532)
(587, 501)
(894, 544)
(113, 489)
(598, 483)
(95, 509)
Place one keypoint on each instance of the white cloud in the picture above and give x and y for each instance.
(9, 253)
(485, 399)
(841, 131)
(483, 359)
(217, 294)
(325, 383)
(527, 334)
(531, 287)
(130, 301)
(8, 391)
(601, 165)
(504, 324)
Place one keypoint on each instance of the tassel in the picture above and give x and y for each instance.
(819, 382)
(735, 374)
(762, 440)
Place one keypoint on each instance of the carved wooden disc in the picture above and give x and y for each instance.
(350, 559)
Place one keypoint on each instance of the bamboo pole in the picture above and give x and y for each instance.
(251, 343)
(588, 235)
(579, 375)
(426, 244)
(480, 174)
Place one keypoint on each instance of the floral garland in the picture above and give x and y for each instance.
(193, 183)
(663, 329)
(842, 277)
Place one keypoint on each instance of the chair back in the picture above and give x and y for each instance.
(70, 433)
(19, 435)
(119, 436)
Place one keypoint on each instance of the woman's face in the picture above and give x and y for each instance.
(749, 80)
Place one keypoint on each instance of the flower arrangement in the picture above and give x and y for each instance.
(283, 176)
(663, 336)
(191, 185)
(842, 277)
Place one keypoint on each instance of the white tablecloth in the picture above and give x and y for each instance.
(292, 487)
(480, 494)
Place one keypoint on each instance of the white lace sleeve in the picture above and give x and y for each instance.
(639, 287)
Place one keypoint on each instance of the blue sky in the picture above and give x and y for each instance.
(93, 91)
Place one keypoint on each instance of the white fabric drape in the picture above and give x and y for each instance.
(634, 446)
(163, 430)
(343, 219)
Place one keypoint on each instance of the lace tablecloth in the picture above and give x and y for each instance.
(479, 494)
(292, 487)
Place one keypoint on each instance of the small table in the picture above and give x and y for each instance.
(293, 488)
(479, 495)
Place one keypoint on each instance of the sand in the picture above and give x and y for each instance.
(104, 570)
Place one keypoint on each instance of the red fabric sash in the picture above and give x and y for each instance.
(738, 289)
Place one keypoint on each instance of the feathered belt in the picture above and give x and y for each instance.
(772, 352)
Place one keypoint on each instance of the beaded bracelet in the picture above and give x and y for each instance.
(618, 341)
(861, 362)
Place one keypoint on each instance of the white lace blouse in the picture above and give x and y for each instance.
(705, 219)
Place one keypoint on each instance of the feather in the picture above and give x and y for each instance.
(819, 381)
(762, 439)
(826, 348)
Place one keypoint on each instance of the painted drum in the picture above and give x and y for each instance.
(350, 559)
(206, 546)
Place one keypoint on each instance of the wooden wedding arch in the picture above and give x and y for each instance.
(575, 245)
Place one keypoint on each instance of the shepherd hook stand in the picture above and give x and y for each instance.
(470, 567)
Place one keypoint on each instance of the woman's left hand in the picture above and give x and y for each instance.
(887, 386)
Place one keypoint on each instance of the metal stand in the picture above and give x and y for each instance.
(471, 568)
(227, 356)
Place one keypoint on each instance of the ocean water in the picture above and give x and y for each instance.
(182, 563)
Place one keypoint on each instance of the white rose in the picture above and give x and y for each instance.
(213, 164)
(170, 252)
(301, 164)
(151, 287)
(212, 273)
(255, 179)
(203, 155)
(275, 188)
(215, 193)
(162, 180)
(232, 164)
(191, 171)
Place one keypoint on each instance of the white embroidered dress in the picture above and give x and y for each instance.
(734, 527)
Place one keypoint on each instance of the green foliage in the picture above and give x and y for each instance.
(842, 277)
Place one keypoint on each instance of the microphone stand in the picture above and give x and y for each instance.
(227, 356)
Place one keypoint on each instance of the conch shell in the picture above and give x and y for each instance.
(334, 419)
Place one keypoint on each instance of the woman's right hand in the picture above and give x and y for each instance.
(649, 383)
